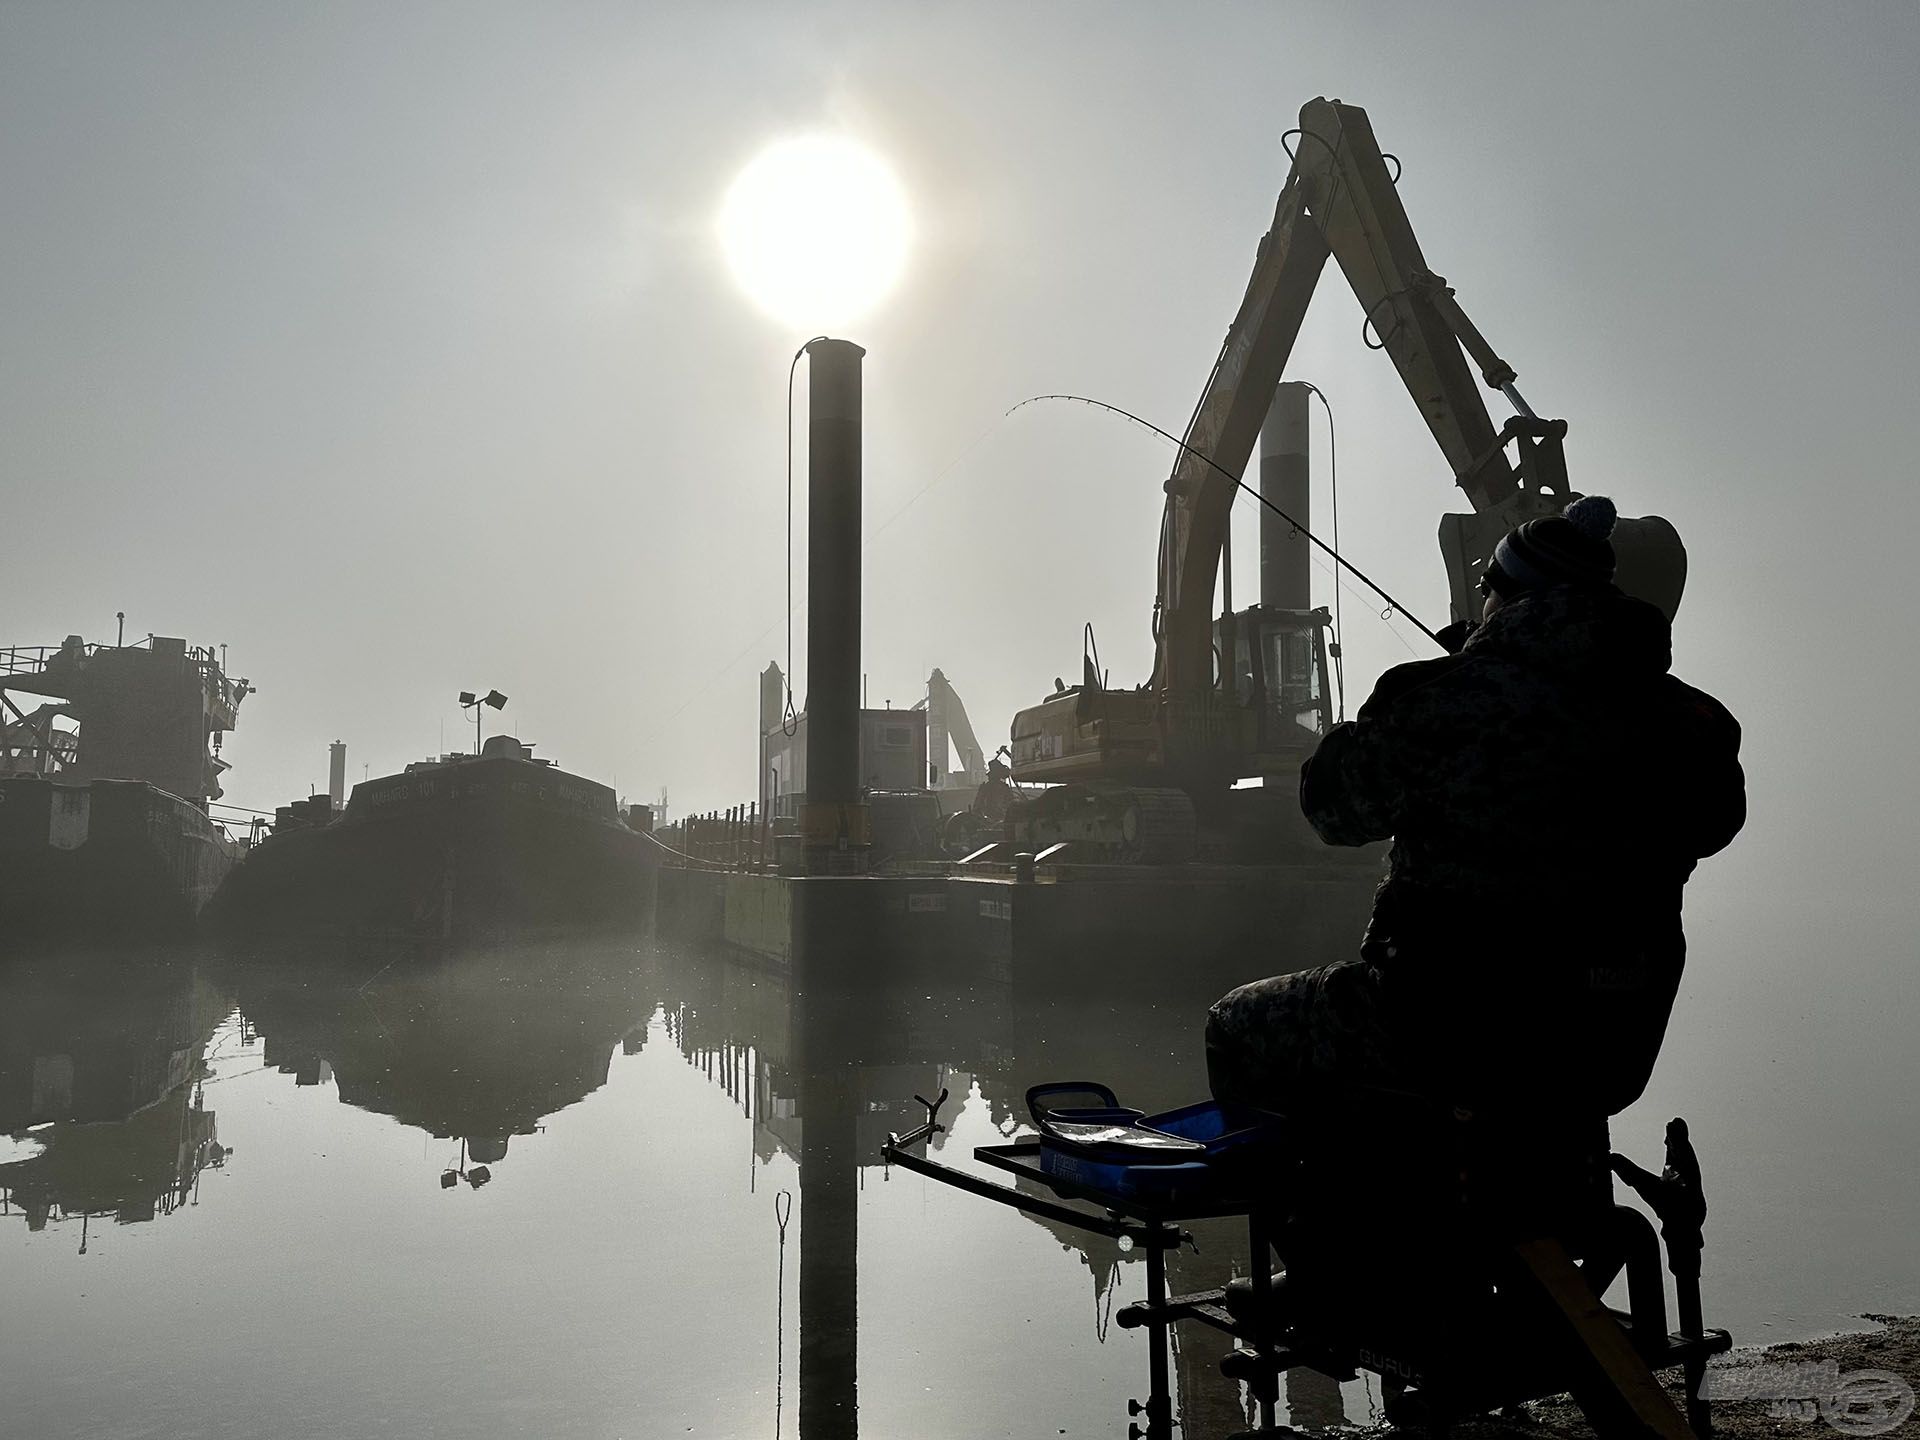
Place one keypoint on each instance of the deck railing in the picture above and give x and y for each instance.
(34, 660)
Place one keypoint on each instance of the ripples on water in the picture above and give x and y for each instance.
(538, 1190)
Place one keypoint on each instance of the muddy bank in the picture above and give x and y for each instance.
(1894, 1348)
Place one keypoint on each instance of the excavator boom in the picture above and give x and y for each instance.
(1225, 425)
(947, 719)
(1339, 199)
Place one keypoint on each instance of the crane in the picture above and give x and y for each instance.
(1148, 774)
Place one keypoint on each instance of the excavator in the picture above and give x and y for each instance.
(1148, 775)
(976, 795)
(948, 724)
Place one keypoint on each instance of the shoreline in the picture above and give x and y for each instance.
(1894, 1347)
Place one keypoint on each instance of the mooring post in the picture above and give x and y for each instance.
(833, 820)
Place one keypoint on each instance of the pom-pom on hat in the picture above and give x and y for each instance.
(1566, 549)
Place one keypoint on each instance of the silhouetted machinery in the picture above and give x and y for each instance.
(949, 726)
(1148, 774)
(1459, 1251)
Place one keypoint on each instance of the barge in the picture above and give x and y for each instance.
(455, 847)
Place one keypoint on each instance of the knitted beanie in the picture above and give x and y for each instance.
(1566, 549)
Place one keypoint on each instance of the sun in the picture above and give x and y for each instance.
(816, 230)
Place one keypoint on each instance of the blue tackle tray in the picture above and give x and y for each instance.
(1181, 1154)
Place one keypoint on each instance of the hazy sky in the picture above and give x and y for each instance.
(392, 347)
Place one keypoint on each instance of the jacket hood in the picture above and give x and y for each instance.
(1596, 630)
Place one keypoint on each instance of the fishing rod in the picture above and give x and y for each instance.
(1393, 605)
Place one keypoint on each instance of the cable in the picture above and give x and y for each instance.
(790, 722)
(1333, 192)
(1334, 150)
(1338, 559)
(1333, 485)
(782, 1210)
(1101, 1321)
(694, 860)
(1366, 321)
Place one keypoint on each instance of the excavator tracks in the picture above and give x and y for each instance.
(1131, 824)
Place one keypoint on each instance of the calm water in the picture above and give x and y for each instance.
(539, 1191)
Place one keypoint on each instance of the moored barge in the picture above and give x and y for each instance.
(454, 847)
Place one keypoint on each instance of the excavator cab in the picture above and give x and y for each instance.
(1278, 662)
(1264, 712)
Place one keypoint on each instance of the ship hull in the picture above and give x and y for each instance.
(103, 860)
(485, 848)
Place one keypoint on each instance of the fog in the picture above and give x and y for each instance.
(395, 351)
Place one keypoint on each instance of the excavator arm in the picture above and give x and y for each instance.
(947, 718)
(1225, 425)
(1339, 199)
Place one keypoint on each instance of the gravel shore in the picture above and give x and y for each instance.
(1894, 1348)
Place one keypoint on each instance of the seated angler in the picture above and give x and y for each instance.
(1548, 790)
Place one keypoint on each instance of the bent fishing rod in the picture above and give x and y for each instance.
(1393, 605)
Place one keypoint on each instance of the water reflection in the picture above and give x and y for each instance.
(823, 1073)
(100, 1087)
(826, 1071)
(476, 1046)
(612, 1255)
(371, 1085)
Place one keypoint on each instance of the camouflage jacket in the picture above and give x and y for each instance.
(1548, 791)
(1552, 763)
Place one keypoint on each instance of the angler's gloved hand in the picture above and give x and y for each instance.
(1454, 636)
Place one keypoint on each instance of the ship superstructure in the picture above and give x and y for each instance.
(109, 758)
(157, 711)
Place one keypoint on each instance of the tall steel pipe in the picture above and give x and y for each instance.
(834, 822)
(1286, 578)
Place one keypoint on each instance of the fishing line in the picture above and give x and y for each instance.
(1339, 559)
(1334, 577)
(866, 544)
(1339, 583)
(789, 720)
